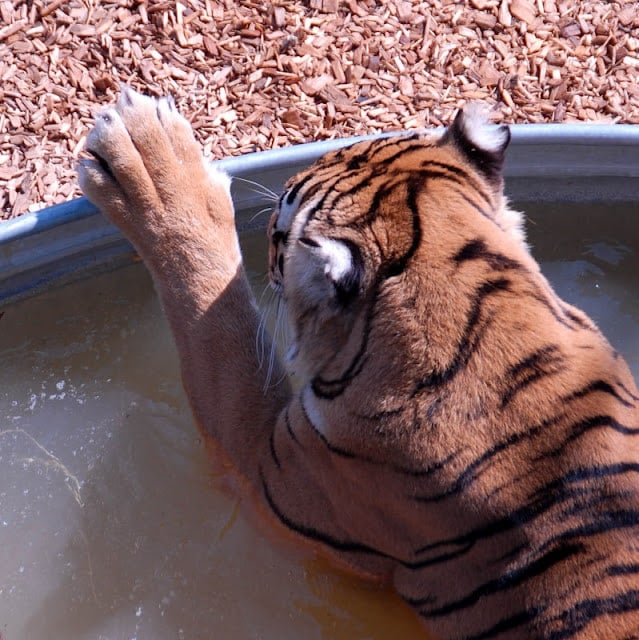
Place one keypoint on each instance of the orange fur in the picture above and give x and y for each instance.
(460, 431)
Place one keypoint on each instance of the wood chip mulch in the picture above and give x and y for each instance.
(258, 75)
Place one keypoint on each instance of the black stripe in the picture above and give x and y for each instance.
(289, 428)
(315, 534)
(539, 297)
(544, 294)
(391, 180)
(396, 267)
(560, 488)
(471, 472)
(381, 192)
(375, 169)
(370, 155)
(563, 309)
(583, 613)
(623, 569)
(594, 473)
(577, 319)
(295, 189)
(544, 362)
(329, 445)
(581, 427)
(597, 386)
(509, 623)
(588, 504)
(430, 169)
(430, 470)
(467, 345)
(550, 495)
(372, 148)
(603, 522)
(452, 174)
(461, 176)
(271, 442)
(442, 558)
(327, 185)
(606, 521)
(414, 473)
(626, 390)
(464, 196)
(478, 250)
(574, 620)
(509, 580)
(331, 389)
(534, 360)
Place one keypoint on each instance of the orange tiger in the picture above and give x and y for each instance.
(460, 431)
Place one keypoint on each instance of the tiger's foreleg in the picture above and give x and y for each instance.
(149, 177)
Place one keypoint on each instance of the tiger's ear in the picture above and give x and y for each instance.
(339, 262)
(483, 143)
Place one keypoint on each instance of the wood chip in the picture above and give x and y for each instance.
(253, 76)
(569, 29)
(292, 117)
(629, 16)
(484, 20)
(523, 10)
(312, 86)
(404, 11)
(279, 17)
(505, 19)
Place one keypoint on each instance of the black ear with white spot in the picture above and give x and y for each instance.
(483, 143)
(340, 262)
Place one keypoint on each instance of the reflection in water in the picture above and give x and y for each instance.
(346, 609)
(111, 525)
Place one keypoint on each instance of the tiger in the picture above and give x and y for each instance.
(457, 431)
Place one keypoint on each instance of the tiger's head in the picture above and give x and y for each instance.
(375, 221)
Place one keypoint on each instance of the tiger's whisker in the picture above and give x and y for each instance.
(261, 212)
(265, 311)
(261, 189)
(271, 357)
(259, 341)
(273, 352)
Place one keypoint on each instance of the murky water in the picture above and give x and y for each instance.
(111, 526)
(110, 523)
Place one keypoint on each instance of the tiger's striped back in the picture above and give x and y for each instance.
(460, 430)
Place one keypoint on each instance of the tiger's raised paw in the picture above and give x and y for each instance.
(146, 171)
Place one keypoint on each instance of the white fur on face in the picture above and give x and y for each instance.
(336, 256)
(285, 216)
(483, 134)
(290, 218)
(293, 220)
